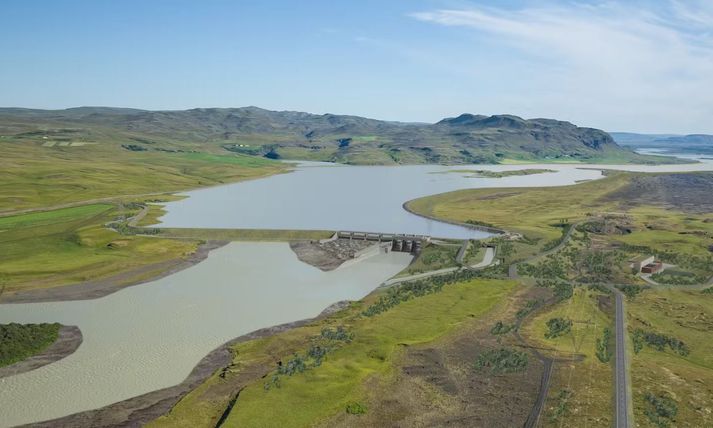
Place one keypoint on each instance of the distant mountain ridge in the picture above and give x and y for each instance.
(254, 131)
(668, 143)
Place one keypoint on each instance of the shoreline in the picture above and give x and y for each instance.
(488, 229)
(140, 410)
(95, 289)
(69, 338)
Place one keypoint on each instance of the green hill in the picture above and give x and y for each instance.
(335, 138)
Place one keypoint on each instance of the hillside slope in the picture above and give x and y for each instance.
(335, 138)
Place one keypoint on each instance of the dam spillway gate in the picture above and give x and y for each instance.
(392, 242)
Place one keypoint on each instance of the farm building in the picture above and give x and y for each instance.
(654, 267)
(640, 262)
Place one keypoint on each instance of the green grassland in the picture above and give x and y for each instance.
(686, 315)
(589, 380)
(433, 257)
(20, 341)
(70, 245)
(672, 222)
(317, 394)
(35, 176)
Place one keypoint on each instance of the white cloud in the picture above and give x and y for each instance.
(608, 65)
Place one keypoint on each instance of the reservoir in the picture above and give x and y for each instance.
(150, 336)
(362, 198)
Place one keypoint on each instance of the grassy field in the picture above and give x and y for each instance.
(20, 341)
(670, 222)
(343, 377)
(589, 380)
(69, 245)
(35, 176)
(686, 316)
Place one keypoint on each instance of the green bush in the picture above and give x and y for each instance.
(502, 360)
(355, 408)
(659, 342)
(604, 349)
(558, 327)
(661, 409)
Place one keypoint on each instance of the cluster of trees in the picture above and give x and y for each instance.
(503, 360)
(328, 340)
(418, 288)
(659, 342)
(604, 350)
(661, 409)
(558, 327)
(20, 341)
(629, 290)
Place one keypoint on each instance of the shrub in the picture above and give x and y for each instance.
(661, 409)
(659, 342)
(558, 327)
(502, 360)
(604, 351)
(355, 408)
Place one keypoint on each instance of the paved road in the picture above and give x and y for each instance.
(488, 259)
(621, 365)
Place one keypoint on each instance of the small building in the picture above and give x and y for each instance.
(654, 267)
(640, 262)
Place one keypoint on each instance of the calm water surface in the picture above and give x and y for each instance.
(149, 337)
(360, 198)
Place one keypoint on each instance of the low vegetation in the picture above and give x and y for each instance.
(418, 288)
(20, 341)
(500, 361)
(658, 341)
(661, 410)
(342, 379)
(71, 245)
(605, 347)
(433, 257)
(558, 327)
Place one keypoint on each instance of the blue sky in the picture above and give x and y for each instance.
(636, 65)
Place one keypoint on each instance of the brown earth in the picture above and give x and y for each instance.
(68, 340)
(102, 287)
